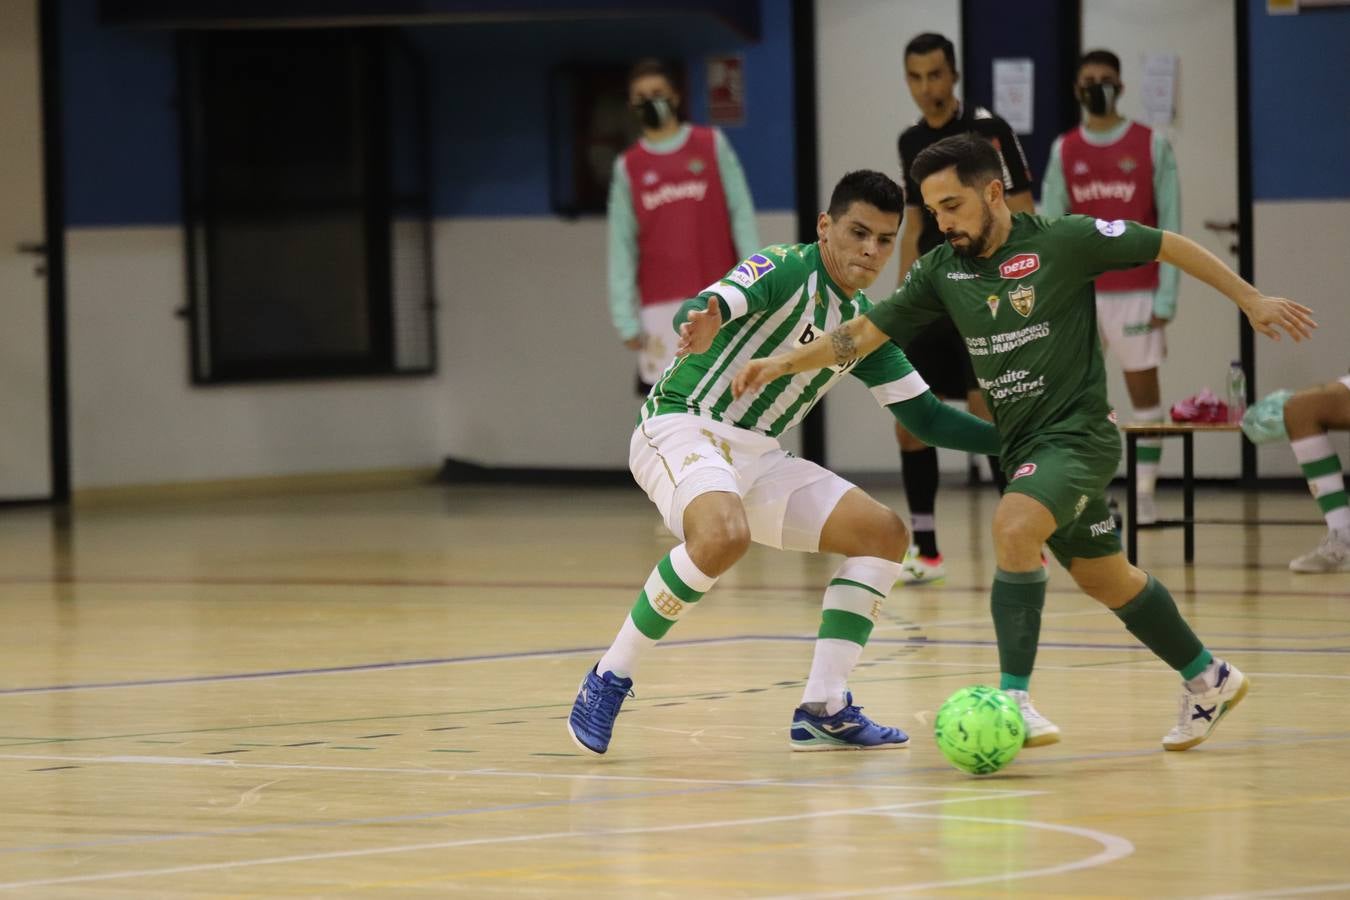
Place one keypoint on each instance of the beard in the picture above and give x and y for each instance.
(977, 244)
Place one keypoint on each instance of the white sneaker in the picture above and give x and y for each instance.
(1332, 555)
(1146, 513)
(916, 569)
(1040, 730)
(1199, 712)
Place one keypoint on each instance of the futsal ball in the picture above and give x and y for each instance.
(979, 729)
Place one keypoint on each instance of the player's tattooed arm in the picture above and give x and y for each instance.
(854, 338)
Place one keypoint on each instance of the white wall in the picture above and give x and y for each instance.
(863, 105)
(1301, 254)
(531, 372)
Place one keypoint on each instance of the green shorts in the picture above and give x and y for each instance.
(1068, 475)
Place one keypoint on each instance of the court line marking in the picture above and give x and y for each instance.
(1340, 888)
(473, 842)
(575, 651)
(224, 581)
(1114, 847)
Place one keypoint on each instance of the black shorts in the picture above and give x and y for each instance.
(938, 353)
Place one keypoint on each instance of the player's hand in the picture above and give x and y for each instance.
(699, 329)
(756, 374)
(636, 343)
(1271, 315)
(1157, 322)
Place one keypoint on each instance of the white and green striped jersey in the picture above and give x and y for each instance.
(780, 298)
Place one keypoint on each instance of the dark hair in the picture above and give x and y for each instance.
(976, 161)
(930, 41)
(1100, 58)
(651, 66)
(868, 186)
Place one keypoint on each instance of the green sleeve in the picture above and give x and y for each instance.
(1167, 199)
(623, 253)
(740, 207)
(913, 305)
(1101, 246)
(1054, 193)
(939, 425)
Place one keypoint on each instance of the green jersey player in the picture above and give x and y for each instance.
(712, 464)
(1019, 289)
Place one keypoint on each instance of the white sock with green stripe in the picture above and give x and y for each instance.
(1147, 451)
(674, 585)
(852, 604)
(1322, 467)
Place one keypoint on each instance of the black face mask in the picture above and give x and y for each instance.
(652, 113)
(1098, 99)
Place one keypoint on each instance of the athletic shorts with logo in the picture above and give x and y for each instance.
(1068, 475)
(1123, 321)
(787, 500)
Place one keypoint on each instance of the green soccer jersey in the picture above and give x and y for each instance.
(780, 298)
(1028, 317)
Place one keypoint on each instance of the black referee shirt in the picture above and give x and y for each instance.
(1016, 172)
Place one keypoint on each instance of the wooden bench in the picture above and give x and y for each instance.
(1187, 432)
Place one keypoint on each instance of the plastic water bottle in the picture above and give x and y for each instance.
(1237, 391)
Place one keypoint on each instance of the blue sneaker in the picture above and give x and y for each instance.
(596, 708)
(847, 729)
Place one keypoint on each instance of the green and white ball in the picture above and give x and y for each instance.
(979, 729)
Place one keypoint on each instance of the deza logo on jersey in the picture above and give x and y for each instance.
(1020, 266)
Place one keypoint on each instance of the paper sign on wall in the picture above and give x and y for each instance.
(726, 90)
(1013, 94)
(1158, 88)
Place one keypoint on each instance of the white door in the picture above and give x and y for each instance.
(1203, 339)
(25, 461)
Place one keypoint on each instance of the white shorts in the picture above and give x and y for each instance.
(1123, 323)
(658, 345)
(667, 450)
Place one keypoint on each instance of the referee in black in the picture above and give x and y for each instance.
(938, 353)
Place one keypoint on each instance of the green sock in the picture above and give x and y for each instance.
(1154, 619)
(1016, 603)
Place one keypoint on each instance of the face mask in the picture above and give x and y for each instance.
(653, 113)
(1098, 99)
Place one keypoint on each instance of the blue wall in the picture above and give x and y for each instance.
(1300, 104)
(489, 117)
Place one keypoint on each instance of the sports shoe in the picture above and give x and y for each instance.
(1199, 712)
(847, 729)
(597, 706)
(1039, 730)
(916, 569)
(1146, 512)
(1332, 555)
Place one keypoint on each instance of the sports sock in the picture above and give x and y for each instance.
(852, 604)
(1016, 602)
(672, 587)
(1152, 617)
(919, 471)
(1322, 467)
(1148, 451)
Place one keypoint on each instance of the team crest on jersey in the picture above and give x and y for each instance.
(1023, 470)
(751, 270)
(1023, 299)
(992, 302)
(696, 165)
(1127, 164)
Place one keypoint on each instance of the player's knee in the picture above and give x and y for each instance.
(718, 541)
(1303, 412)
(885, 536)
(1015, 532)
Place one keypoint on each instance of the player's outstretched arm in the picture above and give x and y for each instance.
(855, 338)
(1268, 315)
(939, 425)
(698, 322)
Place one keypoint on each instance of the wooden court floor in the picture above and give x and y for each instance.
(362, 695)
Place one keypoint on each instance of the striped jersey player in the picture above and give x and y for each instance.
(714, 468)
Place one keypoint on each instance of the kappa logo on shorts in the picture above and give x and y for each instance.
(1020, 266)
(1023, 470)
(751, 270)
